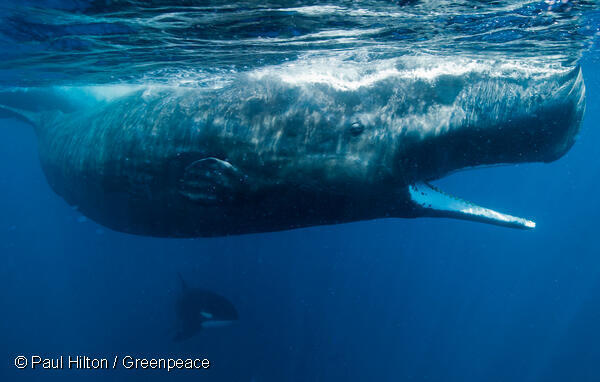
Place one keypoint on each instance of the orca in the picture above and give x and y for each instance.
(199, 308)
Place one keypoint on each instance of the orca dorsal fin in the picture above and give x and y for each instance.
(430, 201)
(184, 285)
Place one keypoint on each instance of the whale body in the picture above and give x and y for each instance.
(269, 152)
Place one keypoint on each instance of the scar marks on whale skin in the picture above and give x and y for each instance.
(210, 181)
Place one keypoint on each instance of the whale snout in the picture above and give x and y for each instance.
(503, 121)
(547, 125)
(560, 118)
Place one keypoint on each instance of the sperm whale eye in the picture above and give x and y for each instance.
(356, 128)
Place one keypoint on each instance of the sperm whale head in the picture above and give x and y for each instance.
(490, 121)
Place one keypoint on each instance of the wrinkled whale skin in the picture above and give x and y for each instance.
(261, 155)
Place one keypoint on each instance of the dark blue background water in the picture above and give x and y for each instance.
(424, 300)
(387, 300)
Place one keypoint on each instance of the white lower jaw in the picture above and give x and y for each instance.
(434, 202)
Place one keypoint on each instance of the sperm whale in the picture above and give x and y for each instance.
(274, 150)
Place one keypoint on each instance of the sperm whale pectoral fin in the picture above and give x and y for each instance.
(210, 181)
(433, 202)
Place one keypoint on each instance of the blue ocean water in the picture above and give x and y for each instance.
(389, 299)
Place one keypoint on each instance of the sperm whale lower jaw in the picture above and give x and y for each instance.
(431, 201)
